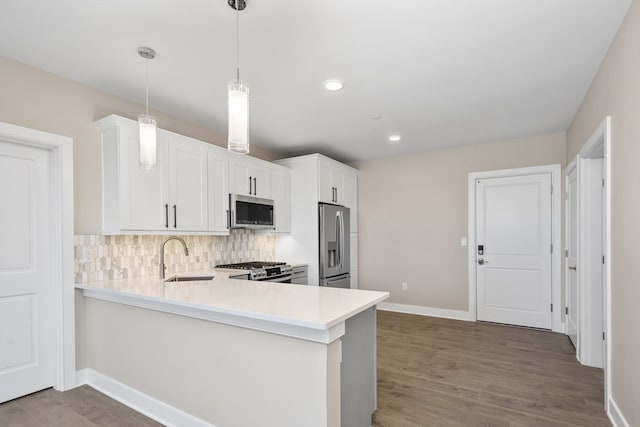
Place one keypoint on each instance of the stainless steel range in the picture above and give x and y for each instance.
(262, 270)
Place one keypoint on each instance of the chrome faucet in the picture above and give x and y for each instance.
(186, 252)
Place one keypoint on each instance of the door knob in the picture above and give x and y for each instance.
(481, 261)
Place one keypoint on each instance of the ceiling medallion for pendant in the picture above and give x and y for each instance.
(241, 4)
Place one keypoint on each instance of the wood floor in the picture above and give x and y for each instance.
(80, 407)
(431, 372)
(438, 372)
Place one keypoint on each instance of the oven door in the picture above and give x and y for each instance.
(285, 278)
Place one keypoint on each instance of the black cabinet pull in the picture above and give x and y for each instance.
(166, 215)
(250, 186)
(255, 187)
(175, 216)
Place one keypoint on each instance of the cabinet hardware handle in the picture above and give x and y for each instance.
(250, 192)
(175, 216)
(575, 268)
(166, 215)
(255, 187)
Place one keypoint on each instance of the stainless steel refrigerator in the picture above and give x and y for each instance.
(334, 246)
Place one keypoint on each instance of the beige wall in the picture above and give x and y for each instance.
(413, 212)
(39, 100)
(615, 91)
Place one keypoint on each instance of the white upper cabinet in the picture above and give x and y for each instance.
(177, 195)
(338, 184)
(281, 194)
(218, 194)
(134, 198)
(188, 206)
(249, 176)
(187, 191)
(330, 182)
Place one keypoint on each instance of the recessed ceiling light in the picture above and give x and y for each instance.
(333, 85)
(394, 138)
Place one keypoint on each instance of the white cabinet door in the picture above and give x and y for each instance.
(250, 177)
(331, 183)
(218, 190)
(325, 188)
(188, 186)
(144, 193)
(281, 194)
(239, 173)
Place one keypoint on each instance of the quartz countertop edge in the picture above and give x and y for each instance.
(306, 312)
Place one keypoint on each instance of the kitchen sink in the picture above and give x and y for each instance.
(188, 278)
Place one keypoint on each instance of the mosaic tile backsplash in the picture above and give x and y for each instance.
(99, 257)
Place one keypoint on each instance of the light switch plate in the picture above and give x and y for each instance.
(463, 241)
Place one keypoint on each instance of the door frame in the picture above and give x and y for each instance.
(600, 144)
(62, 300)
(556, 241)
(572, 166)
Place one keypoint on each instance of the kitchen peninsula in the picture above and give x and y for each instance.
(229, 352)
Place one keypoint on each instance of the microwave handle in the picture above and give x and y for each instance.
(230, 219)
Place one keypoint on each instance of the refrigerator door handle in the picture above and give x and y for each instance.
(338, 240)
(341, 241)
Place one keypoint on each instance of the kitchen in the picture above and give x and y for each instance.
(42, 100)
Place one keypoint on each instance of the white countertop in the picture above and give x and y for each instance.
(307, 312)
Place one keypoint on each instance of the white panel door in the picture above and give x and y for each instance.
(25, 333)
(571, 243)
(514, 250)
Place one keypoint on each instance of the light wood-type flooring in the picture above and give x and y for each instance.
(448, 373)
(80, 407)
(431, 372)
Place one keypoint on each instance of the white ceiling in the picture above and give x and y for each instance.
(440, 73)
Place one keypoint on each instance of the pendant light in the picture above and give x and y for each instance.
(238, 97)
(146, 122)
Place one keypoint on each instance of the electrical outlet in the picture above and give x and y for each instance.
(405, 286)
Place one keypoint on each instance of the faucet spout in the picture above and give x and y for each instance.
(163, 267)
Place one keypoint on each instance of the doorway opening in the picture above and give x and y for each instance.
(43, 163)
(587, 270)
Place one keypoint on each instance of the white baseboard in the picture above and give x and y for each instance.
(425, 311)
(615, 415)
(138, 401)
(82, 376)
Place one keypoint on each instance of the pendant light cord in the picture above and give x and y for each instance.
(238, 40)
(146, 61)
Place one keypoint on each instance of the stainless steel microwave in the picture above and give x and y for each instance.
(250, 212)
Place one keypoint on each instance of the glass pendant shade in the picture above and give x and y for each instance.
(238, 98)
(147, 125)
